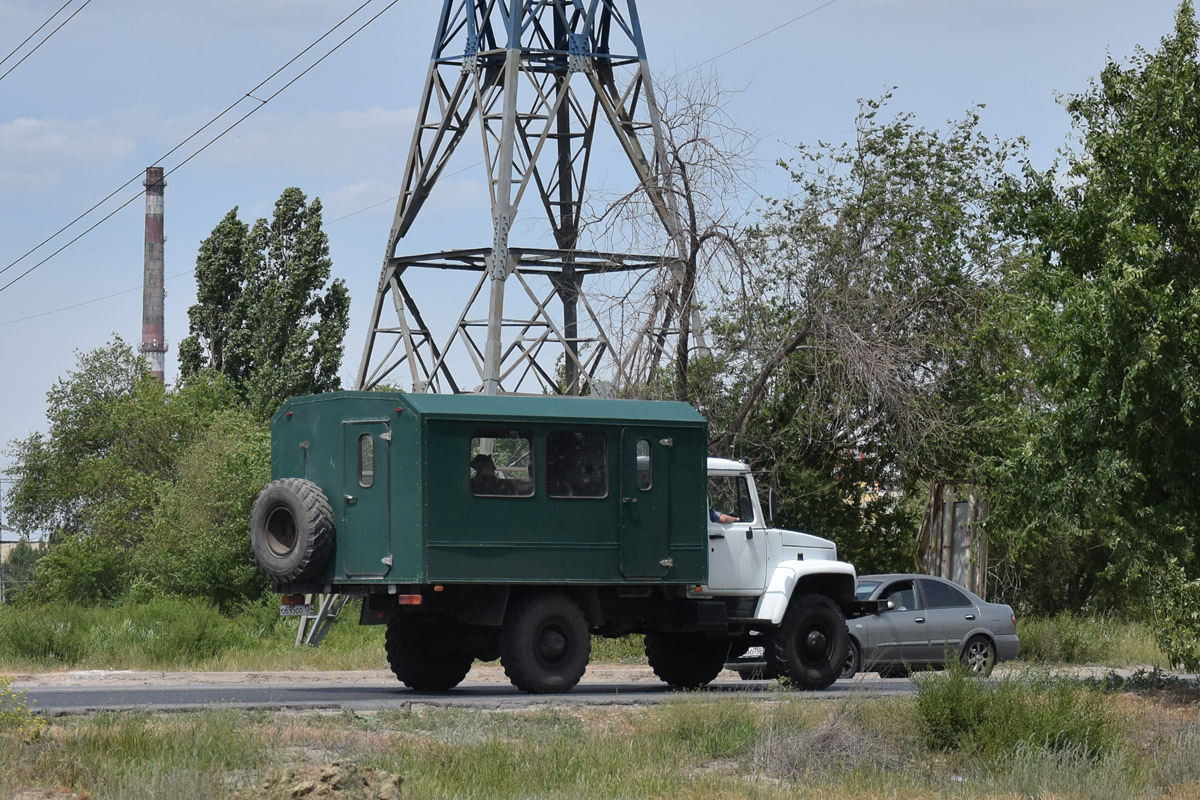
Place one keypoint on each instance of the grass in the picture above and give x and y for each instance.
(169, 634)
(695, 746)
(1075, 639)
(172, 634)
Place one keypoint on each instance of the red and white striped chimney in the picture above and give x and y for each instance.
(154, 341)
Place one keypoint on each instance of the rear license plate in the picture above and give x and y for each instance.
(306, 610)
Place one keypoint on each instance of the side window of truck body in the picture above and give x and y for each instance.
(501, 464)
(576, 464)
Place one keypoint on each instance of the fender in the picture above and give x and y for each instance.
(774, 601)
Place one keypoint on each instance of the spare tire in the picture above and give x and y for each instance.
(291, 530)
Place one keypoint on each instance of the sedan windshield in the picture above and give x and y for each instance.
(865, 588)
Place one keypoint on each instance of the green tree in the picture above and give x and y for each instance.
(1111, 311)
(267, 315)
(850, 357)
(94, 480)
(198, 542)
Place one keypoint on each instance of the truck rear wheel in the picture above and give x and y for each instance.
(424, 656)
(545, 644)
(683, 661)
(291, 530)
(809, 648)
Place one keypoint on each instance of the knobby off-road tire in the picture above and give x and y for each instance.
(683, 661)
(809, 649)
(291, 530)
(979, 656)
(545, 643)
(425, 656)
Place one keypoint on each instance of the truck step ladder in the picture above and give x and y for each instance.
(313, 627)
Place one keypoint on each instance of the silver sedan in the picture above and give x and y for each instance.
(923, 621)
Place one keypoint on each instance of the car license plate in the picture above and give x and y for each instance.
(754, 652)
(305, 610)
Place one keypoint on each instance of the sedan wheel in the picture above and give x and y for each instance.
(853, 659)
(979, 656)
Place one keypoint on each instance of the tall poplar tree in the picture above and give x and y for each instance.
(267, 315)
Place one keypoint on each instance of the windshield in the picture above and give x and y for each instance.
(865, 588)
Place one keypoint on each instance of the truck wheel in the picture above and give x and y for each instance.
(545, 644)
(810, 647)
(424, 656)
(685, 662)
(291, 530)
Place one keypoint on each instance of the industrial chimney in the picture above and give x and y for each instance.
(154, 342)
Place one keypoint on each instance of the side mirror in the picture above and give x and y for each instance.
(891, 605)
(772, 503)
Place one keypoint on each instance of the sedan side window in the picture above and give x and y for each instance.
(903, 596)
(941, 595)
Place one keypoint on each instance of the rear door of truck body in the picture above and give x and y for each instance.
(645, 504)
(364, 507)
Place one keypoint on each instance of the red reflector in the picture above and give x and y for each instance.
(399, 410)
(408, 599)
(291, 600)
(288, 415)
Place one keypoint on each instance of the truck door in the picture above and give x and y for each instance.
(737, 551)
(645, 507)
(364, 535)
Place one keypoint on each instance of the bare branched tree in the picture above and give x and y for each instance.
(706, 177)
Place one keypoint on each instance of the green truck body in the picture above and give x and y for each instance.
(395, 468)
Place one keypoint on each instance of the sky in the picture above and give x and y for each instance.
(124, 81)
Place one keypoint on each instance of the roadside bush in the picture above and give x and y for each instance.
(44, 634)
(960, 712)
(16, 712)
(198, 542)
(1076, 639)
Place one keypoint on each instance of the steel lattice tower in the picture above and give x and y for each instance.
(541, 79)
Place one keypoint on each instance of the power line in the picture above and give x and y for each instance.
(87, 302)
(777, 28)
(197, 132)
(50, 19)
(46, 39)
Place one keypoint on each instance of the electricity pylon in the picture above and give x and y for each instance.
(541, 79)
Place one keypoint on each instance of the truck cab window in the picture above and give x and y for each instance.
(576, 464)
(502, 464)
(730, 494)
(366, 461)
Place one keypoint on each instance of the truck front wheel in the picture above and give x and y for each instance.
(424, 655)
(545, 644)
(686, 662)
(809, 649)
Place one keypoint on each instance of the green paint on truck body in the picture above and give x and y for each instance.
(396, 470)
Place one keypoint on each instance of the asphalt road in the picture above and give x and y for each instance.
(381, 695)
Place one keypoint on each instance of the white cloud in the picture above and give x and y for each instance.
(31, 149)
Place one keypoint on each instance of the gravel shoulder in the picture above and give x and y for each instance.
(480, 673)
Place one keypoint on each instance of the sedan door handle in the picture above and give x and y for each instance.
(920, 620)
(969, 616)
